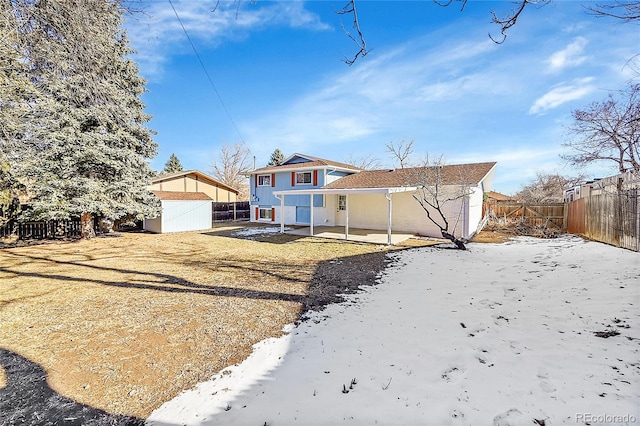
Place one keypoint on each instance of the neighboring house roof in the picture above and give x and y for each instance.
(182, 196)
(200, 175)
(311, 163)
(498, 196)
(450, 175)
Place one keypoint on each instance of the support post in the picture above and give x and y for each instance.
(282, 214)
(389, 208)
(346, 220)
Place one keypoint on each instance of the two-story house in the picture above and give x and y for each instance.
(299, 173)
(306, 190)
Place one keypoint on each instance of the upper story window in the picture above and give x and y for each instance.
(303, 177)
(264, 180)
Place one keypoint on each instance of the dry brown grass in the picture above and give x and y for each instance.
(125, 323)
(491, 236)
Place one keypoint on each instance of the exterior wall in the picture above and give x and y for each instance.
(322, 216)
(262, 196)
(181, 216)
(333, 175)
(369, 211)
(192, 183)
(474, 204)
(153, 225)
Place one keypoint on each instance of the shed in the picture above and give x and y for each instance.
(181, 212)
(195, 181)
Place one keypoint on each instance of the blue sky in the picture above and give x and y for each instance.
(432, 76)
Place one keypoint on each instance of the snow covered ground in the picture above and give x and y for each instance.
(502, 334)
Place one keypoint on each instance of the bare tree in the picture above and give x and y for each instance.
(627, 11)
(547, 188)
(230, 167)
(367, 162)
(400, 153)
(441, 193)
(608, 131)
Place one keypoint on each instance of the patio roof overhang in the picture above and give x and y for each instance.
(343, 191)
(346, 191)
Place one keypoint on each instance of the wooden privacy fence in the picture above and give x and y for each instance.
(225, 212)
(43, 230)
(609, 217)
(542, 214)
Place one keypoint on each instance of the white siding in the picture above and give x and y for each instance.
(369, 211)
(475, 210)
(181, 216)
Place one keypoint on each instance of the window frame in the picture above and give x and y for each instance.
(265, 218)
(342, 202)
(304, 174)
(262, 178)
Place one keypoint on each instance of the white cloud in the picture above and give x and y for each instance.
(570, 56)
(157, 33)
(562, 94)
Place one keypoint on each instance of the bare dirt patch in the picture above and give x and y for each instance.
(124, 323)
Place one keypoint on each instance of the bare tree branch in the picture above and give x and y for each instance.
(231, 165)
(608, 131)
(350, 8)
(547, 188)
(401, 153)
(626, 11)
(367, 162)
(511, 18)
(449, 2)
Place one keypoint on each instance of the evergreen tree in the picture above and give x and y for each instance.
(16, 92)
(277, 158)
(85, 150)
(172, 165)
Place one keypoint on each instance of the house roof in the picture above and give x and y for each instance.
(200, 175)
(182, 196)
(498, 196)
(312, 163)
(450, 175)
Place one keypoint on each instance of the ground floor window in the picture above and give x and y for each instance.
(265, 213)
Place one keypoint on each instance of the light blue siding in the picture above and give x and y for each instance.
(263, 195)
(303, 214)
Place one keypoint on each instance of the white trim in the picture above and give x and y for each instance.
(345, 191)
(304, 173)
(269, 175)
(264, 219)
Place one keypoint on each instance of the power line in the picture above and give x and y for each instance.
(206, 72)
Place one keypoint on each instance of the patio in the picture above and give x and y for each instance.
(360, 235)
